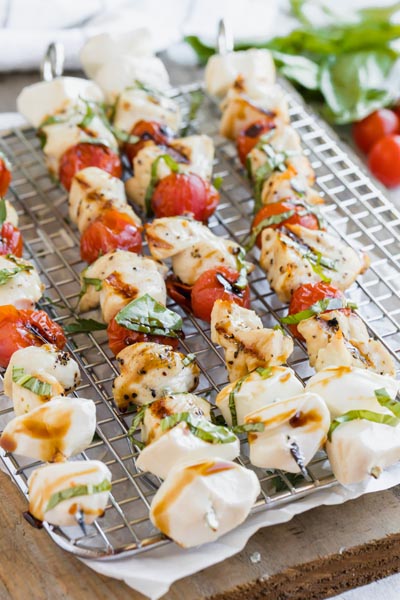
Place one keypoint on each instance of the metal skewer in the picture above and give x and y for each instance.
(299, 459)
(225, 41)
(80, 519)
(53, 62)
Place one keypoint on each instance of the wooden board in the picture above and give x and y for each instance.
(314, 556)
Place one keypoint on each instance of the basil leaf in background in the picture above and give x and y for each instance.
(84, 326)
(299, 69)
(202, 51)
(387, 401)
(78, 490)
(366, 415)
(315, 309)
(3, 211)
(203, 429)
(217, 182)
(146, 315)
(355, 85)
(30, 382)
(172, 164)
(272, 220)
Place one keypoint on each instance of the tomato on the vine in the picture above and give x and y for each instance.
(384, 160)
(378, 124)
(84, 155)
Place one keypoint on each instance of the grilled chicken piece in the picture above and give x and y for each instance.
(116, 75)
(290, 184)
(247, 344)
(193, 248)
(179, 446)
(59, 137)
(295, 429)
(92, 192)
(243, 105)
(220, 495)
(59, 492)
(103, 47)
(135, 104)
(118, 277)
(197, 155)
(49, 98)
(46, 363)
(20, 284)
(53, 432)
(170, 405)
(336, 338)
(284, 153)
(150, 371)
(360, 449)
(256, 390)
(256, 66)
(284, 258)
(350, 388)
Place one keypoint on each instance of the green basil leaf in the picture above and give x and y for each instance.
(202, 51)
(241, 266)
(319, 263)
(248, 428)
(387, 401)
(172, 164)
(189, 358)
(53, 120)
(3, 211)
(88, 281)
(272, 220)
(200, 427)
(299, 69)
(7, 274)
(30, 382)
(146, 315)
(89, 115)
(217, 182)
(123, 136)
(367, 415)
(264, 372)
(76, 491)
(84, 326)
(315, 309)
(196, 100)
(275, 161)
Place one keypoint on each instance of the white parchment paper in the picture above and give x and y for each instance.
(152, 573)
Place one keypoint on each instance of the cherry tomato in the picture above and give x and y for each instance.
(384, 160)
(5, 176)
(374, 127)
(10, 240)
(250, 136)
(307, 295)
(120, 337)
(210, 287)
(148, 130)
(180, 193)
(179, 292)
(301, 216)
(22, 328)
(85, 155)
(112, 230)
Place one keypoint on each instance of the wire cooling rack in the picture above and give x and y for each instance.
(355, 209)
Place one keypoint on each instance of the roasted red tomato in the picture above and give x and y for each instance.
(179, 292)
(119, 337)
(5, 176)
(85, 155)
(307, 295)
(112, 230)
(148, 130)
(217, 284)
(180, 193)
(250, 136)
(22, 328)
(301, 217)
(10, 240)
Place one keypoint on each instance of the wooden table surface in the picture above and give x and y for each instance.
(316, 555)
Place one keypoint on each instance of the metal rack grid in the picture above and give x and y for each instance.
(356, 210)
